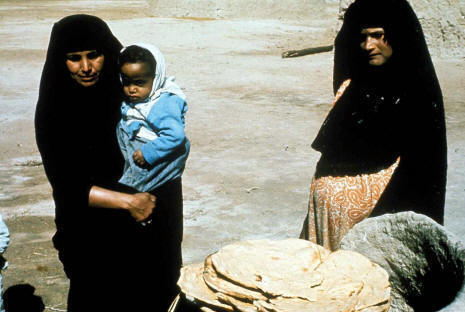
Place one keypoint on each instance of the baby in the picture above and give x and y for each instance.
(151, 132)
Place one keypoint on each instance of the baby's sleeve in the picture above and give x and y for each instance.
(167, 118)
(4, 236)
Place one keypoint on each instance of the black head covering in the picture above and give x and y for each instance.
(75, 125)
(71, 34)
(387, 111)
(403, 33)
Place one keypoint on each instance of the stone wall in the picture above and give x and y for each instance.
(443, 23)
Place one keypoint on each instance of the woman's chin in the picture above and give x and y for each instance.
(87, 82)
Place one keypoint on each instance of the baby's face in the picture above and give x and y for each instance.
(137, 81)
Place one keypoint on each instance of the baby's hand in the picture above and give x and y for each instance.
(139, 158)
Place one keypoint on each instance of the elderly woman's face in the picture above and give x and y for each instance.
(85, 66)
(375, 46)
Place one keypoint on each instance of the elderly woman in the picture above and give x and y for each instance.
(383, 144)
(111, 259)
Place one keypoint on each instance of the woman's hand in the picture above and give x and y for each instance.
(141, 206)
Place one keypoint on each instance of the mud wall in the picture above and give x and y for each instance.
(443, 23)
(269, 9)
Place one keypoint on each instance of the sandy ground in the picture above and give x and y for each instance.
(252, 117)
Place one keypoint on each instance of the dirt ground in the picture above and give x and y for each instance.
(252, 117)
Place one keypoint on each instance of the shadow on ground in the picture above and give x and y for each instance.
(21, 298)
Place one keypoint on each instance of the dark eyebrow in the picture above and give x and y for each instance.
(94, 54)
(128, 80)
(73, 57)
(375, 34)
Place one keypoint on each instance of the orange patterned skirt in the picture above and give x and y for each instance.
(338, 203)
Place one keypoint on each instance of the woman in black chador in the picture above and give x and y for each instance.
(114, 261)
(383, 144)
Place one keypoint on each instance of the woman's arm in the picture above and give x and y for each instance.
(139, 205)
(80, 190)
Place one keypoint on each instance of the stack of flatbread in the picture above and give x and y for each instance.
(286, 276)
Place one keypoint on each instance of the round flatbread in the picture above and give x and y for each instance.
(220, 284)
(237, 304)
(192, 284)
(277, 268)
(284, 276)
(296, 304)
(343, 266)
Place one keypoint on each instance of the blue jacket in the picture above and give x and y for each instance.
(166, 154)
(4, 241)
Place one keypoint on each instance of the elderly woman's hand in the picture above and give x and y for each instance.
(141, 206)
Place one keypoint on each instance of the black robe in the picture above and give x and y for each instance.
(107, 255)
(389, 111)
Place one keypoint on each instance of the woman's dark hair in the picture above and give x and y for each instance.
(137, 54)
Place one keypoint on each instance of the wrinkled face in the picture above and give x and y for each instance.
(374, 44)
(137, 81)
(85, 67)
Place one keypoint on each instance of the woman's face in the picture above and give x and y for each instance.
(375, 46)
(85, 66)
